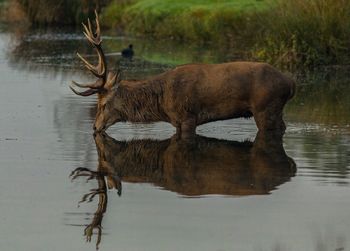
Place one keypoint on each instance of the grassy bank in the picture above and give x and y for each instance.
(308, 33)
(185, 20)
(283, 32)
(286, 33)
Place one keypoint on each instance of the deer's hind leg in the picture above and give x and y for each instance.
(187, 128)
(270, 119)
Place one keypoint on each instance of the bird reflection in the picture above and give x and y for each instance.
(195, 167)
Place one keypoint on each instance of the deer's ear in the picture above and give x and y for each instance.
(113, 80)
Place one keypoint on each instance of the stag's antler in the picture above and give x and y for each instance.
(100, 70)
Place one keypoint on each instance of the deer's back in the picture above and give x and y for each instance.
(219, 88)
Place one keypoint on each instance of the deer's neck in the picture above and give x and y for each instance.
(141, 101)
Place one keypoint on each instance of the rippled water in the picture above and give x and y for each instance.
(145, 190)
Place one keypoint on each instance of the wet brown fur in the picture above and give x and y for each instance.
(141, 101)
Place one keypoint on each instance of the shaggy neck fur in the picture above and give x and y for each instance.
(141, 101)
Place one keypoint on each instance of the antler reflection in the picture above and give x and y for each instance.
(106, 180)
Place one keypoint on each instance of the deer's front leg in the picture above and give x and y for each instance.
(188, 128)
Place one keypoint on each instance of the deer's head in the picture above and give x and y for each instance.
(106, 84)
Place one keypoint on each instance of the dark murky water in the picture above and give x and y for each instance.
(145, 190)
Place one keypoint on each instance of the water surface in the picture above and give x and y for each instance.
(225, 190)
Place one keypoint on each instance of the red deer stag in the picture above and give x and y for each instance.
(189, 95)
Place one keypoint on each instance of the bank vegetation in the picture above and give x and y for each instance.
(289, 33)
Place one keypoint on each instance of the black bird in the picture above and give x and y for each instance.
(128, 52)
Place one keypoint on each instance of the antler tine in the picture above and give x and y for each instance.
(84, 93)
(101, 64)
(96, 85)
(98, 30)
(99, 70)
(90, 27)
(87, 64)
(95, 39)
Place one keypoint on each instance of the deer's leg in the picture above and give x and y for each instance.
(270, 119)
(188, 128)
(178, 130)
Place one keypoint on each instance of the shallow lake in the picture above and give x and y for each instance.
(221, 191)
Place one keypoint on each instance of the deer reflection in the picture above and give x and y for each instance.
(193, 167)
(201, 165)
(106, 180)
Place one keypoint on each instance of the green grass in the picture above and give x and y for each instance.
(308, 32)
(171, 6)
(185, 20)
(287, 33)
